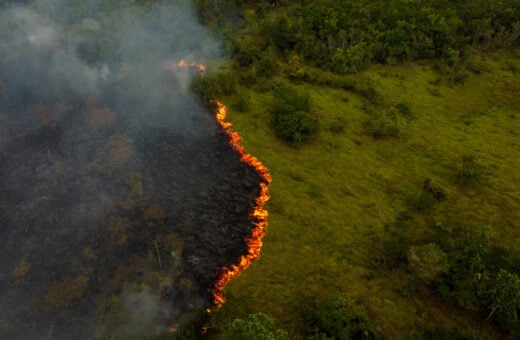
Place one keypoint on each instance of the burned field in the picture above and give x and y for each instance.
(121, 199)
(97, 204)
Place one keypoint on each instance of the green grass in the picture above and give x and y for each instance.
(332, 198)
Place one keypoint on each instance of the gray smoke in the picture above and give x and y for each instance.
(145, 311)
(91, 102)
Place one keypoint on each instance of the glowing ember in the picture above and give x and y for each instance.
(183, 63)
(258, 214)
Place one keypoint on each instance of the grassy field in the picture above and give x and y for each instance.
(333, 199)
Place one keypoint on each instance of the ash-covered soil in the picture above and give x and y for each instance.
(106, 213)
(120, 198)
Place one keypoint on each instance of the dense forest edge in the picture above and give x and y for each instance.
(389, 128)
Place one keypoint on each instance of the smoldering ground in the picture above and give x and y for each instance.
(120, 199)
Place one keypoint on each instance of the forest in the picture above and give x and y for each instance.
(390, 129)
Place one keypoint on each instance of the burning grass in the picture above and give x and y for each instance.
(258, 214)
(332, 199)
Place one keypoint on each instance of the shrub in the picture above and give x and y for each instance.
(214, 86)
(430, 195)
(243, 103)
(424, 202)
(385, 124)
(266, 66)
(503, 295)
(404, 109)
(257, 327)
(469, 170)
(442, 332)
(365, 88)
(427, 262)
(337, 319)
(291, 116)
(338, 125)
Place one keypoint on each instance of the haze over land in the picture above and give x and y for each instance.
(121, 200)
(390, 129)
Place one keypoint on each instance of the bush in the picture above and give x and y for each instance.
(442, 332)
(338, 125)
(404, 109)
(291, 116)
(365, 88)
(468, 169)
(257, 327)
(386, 124)
(337, 319)
(244, 102)
(214, 86)
(430, 195)
(503, 295)
(427, 262)
(266, 66)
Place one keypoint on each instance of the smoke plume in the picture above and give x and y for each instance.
(120, 199)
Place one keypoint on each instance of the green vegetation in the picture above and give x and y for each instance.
(398, 216)
(257, 327)
(291, 116)
(337, 319)
(396, 222)
(391, 131)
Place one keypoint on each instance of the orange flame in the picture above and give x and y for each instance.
(258, 213)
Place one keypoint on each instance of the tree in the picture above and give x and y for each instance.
(257, 327)
(338, 319)
(291, 116)
(504, 300)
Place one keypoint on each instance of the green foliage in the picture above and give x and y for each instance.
(467, 255)
(206, 9)
(246, 52)
(362, 221)
(282, 33)
(427, 262)
(291, 116)
(479, 278)
(404, 109)
(429, 196)
(214, 86)
(464, 267)
(257, 327)
(338, 125)
(243, 103)
(267, 66)
(503, 295)
(395, 251)
(469, 170)
(351, 59)
(441, 332)
(337, 319)
(344, 36)
(385, 124)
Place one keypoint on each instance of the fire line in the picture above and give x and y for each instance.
(258, 213)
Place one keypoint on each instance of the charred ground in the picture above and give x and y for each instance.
(85, 201)
(120, 197)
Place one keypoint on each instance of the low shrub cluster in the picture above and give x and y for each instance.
(291, 116)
